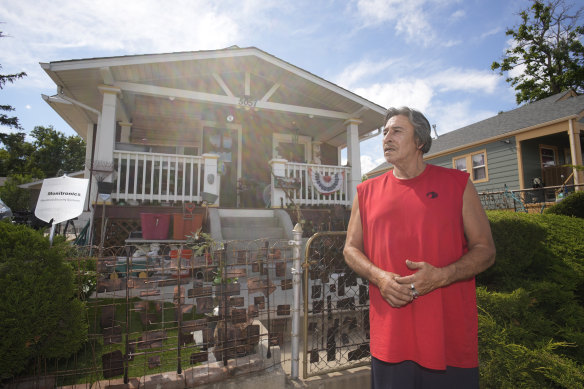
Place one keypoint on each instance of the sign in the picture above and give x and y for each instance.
(61, 199)
(247, 102)
(287, 183)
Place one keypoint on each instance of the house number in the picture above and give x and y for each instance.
(247, 101)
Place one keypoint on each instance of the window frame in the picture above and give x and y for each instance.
(554, 149)
(468, 161)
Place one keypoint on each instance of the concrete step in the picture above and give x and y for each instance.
(249, 222)
(248, 233)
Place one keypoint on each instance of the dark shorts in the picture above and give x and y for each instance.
(410, 375)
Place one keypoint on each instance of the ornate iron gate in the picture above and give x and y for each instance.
(336, 308)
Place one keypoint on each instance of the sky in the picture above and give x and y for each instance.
(432, 55)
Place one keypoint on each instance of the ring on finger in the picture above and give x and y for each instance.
(415, 293)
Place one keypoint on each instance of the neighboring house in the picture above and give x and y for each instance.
(231, 127)
(514, 148)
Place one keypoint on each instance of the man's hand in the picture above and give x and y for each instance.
(426, 279)
(396, 294)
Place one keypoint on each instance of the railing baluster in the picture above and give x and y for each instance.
(135, 190)
(161, 169)
(144, 167)
(152, 163)
(119, 163)
(307, 194)
(127, 177)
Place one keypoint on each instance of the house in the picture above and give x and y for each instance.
(235, 128)
(520, 148)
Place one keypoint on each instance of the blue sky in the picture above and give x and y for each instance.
(434, 55)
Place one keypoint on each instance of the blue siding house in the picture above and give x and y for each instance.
(527, 147)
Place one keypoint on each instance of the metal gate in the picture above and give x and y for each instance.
(336, 308)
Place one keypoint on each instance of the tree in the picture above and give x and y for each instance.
(548, 51)
(56, 152)
(16, 198)
(50, 152)
(5, 120)
(14, 158)
(40, 313)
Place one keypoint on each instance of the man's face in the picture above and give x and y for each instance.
(399, 143)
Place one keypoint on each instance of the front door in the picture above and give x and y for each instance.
(224, 143)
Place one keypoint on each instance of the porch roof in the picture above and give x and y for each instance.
(177, 91)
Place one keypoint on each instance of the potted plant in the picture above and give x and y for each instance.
(203, 244)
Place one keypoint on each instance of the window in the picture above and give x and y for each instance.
(475, 164)
(548, 155)
(460, 164)
(292, 148)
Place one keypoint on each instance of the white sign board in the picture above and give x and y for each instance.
(61, 199)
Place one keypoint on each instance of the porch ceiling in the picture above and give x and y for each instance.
(177, 92)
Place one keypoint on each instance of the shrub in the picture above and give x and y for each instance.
(40, 315)
(571, 205)
(531, 311)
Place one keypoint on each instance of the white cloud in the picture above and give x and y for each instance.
(368, 163)
(44, 31)
(412, 93)
(458, 14)
(464, 80)
(450, 116)
(411, 18)
(491, 32)
(366, 69)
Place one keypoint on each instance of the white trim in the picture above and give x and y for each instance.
(222, 84)
(269, 93)
(152, 90)
(193, 56)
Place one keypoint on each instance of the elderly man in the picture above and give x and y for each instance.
(419, 234)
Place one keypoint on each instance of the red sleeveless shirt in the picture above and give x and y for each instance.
(421, 220)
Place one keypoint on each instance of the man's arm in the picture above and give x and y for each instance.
(395, 294)
(480, 255)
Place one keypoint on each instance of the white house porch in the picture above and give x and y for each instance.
(144, 177)
(197, 126)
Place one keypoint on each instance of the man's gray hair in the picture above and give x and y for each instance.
(422, 132)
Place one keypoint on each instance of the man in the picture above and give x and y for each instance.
(419, 234)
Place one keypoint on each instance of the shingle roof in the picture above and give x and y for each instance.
(561, 105)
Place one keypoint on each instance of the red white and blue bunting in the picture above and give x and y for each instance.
(327, 184)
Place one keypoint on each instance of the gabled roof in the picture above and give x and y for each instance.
(561, 106)
(174, 91)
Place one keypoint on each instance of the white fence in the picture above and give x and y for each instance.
(308, 194)
(157, 177)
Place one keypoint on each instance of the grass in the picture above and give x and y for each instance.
(86, 365)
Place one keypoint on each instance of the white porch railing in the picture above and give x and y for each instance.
(157, 177)
(307, 194)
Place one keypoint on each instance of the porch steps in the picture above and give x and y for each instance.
(250, 224)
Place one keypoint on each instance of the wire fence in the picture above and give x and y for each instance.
(155, 308)
(336, 308)
(533, 200)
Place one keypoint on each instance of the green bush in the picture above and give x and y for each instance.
(571, 205)
(40, 314)
(531, 311)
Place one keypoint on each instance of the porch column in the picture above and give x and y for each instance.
(353, 155)
(125, 133)
(277, 195)
(106, 132)
(211, 184)
(92, 190)
(576, 152)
